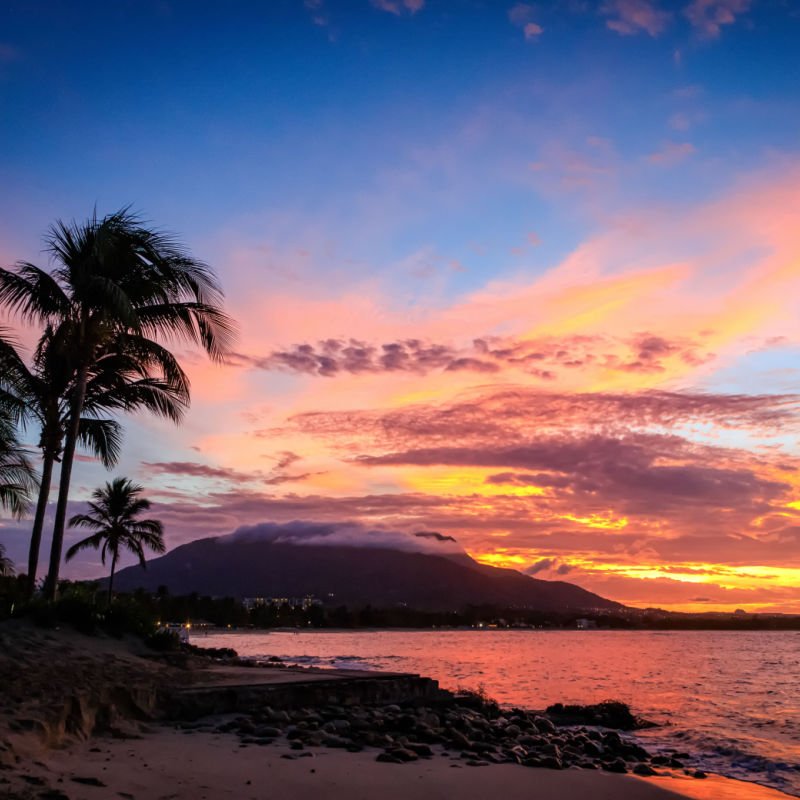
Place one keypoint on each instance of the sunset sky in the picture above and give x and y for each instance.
(525, 274)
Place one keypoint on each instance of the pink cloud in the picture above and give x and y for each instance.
(521, 16)
(532, 30)
(709, 16)
(398, 7)
(630, 17)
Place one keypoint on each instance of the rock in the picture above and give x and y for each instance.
(617, 765)
(550, 750)
(87, 781)
(267, 730)
(544, 725)
(593, 749)
(388, 758)
(332, 740)
(698, 773)
(609, 714)
(459, 740)
(644, 770)
(612, 740)
(402, 754)
(420, 749)
(474, 762)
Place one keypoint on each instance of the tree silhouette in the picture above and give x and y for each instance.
(42, 394)
(113, 518)
(6, 567)
(116, 287)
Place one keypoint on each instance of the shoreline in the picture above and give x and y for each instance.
(172, 763)
(116, 688)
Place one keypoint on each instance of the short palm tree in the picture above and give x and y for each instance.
(43, 395)
(114, 281)
(6, 567)
(114, 519)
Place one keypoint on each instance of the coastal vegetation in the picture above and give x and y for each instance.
(117, 291)
(6, 567)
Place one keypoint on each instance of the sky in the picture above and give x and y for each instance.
(525, 274)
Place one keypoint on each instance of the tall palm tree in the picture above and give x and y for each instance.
(114, 280)
(44, 394)
(113, 518)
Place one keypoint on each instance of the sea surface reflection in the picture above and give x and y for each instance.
(730, 698)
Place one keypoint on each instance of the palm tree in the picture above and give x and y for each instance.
(6, 566)
(44, 395)
(113, 518)
(17, 478)
(116, 287)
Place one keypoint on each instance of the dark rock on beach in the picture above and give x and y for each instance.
(609, 714)
(477, 733)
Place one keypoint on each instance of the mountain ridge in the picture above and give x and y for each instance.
(337, 574)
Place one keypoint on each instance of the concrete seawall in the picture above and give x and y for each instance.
(286, 689)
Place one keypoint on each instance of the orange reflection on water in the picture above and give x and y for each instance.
(716, 788)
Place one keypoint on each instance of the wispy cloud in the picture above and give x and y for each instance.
(630, 17)
(522, 16)
(708, 17)
(399, 7)
(672, 153)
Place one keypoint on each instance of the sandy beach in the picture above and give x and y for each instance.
(174, 765)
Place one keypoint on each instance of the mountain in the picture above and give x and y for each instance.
(236, 566)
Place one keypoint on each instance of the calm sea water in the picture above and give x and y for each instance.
(730, 698)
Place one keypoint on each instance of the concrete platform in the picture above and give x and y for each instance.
(225, 690)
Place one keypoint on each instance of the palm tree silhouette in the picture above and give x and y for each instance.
(17, 478)
(6, 567)
(114, 511)
(115, 284)
(43, 393)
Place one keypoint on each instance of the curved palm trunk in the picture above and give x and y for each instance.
(51, 585)
(38, 521)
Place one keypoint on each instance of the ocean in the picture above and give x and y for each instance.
(730, 699)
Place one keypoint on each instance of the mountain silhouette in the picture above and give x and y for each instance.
(234, 566)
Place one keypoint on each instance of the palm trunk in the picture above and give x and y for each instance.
(111, 580)
(51, 585)
(38, 521)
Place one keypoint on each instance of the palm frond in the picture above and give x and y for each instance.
(89, 543)
(33, 294)
(102, 438)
